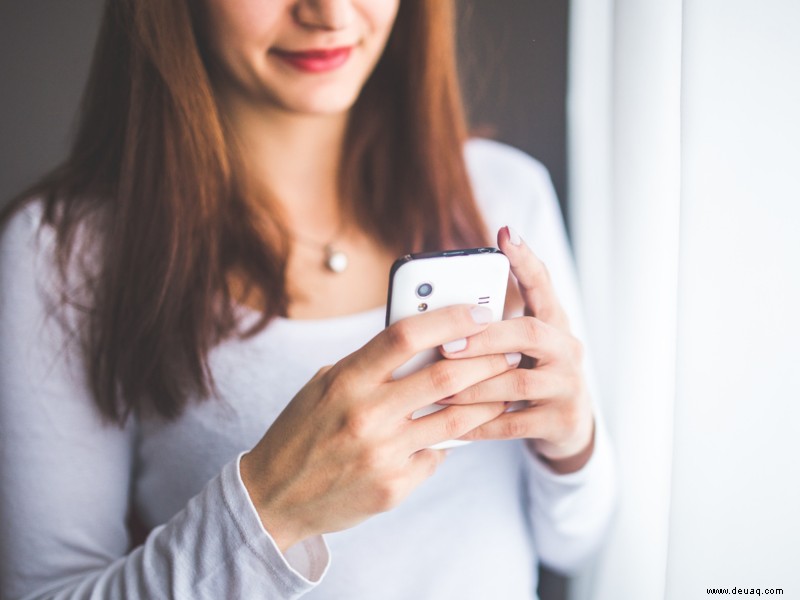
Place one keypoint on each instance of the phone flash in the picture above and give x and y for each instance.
(422, 307)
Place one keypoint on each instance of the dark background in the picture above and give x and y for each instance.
(513, 62)
(513, 57)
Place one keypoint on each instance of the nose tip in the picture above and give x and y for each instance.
(324, 14)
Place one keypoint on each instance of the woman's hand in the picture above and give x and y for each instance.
(346, 448)
(556, 414)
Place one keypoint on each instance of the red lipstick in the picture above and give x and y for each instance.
(315, 61)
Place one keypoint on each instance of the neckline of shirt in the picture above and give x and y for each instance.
(319, 325)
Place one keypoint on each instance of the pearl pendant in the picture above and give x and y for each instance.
(335, 260)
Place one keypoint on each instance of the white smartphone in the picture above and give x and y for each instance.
(422, 282)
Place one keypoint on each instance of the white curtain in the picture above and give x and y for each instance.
(684, 158)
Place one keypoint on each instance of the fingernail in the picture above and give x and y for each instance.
(455, 345)
(445, 401)
(481, 315)
(513, 236)
(513, 358)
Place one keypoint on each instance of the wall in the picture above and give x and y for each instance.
(514, 59)
(45, 48)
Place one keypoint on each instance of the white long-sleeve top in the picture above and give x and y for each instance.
(474, 530)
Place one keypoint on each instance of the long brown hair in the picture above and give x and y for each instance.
(153, 162)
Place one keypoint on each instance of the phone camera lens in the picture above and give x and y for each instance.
(424, 290)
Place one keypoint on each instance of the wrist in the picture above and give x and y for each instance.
(278, 525)
(564, 463)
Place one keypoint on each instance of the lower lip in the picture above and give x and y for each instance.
(315, 62)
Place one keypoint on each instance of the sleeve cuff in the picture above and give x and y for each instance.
(302, 566)
(577, 503)
(600, 460)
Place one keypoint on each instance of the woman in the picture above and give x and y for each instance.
(167, 292)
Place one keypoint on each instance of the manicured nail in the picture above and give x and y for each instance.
(513, 236)
(513, 358)
(481, 315)
(455, 345)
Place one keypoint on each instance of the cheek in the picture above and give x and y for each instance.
(380, 14)
(242, 26)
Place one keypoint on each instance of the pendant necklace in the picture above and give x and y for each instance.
(336, 260)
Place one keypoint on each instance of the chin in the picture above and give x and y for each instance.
(320, 103)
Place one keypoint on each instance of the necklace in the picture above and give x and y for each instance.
(336, 260)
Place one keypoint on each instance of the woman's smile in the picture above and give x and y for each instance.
(318, 60)
(306, 58)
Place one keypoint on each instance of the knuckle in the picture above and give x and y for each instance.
(340, 383)
(371, 460)
(401, 337)
(531, 330)
(323, 372)
(523, 384)
(358, 424)
(443, 377)
(468, 395)
(514, 428)
(455, 423)
(337, 373)
(325, 378)
(387, 494)
(321, 381)
(486, 341)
